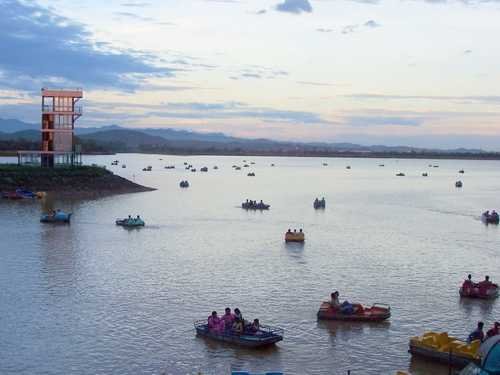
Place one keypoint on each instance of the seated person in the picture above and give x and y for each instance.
(477, 334)
(254, 327)
(238, 326)
(334, 301)
(468, 285)
(493, 331)
(347, 308)
(215, 324)
(228, 319)
(484, 285)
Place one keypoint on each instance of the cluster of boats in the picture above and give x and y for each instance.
(490, 217)
(149, 168)
(254, 205)
(184, 184)
(319, 203)
(459, 184)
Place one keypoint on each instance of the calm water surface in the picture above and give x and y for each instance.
(94, 298)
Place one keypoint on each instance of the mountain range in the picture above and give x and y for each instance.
(164, 140)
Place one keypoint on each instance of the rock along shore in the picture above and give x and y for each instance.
(82, 181)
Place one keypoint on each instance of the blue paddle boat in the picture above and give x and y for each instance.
(264, 337)
(56, 217)
(131, 222)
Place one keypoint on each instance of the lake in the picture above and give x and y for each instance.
(95, 298)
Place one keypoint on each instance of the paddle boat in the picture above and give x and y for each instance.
(114, 162)
(482, 290)
(459, 184)
(490, 218)
(264, 337)
(56, 217)
(148, 169)
(170, 167)
(319, 203)
(216, 167)
(376, 313)
(461, 171)
(348, 167)
(381, 165)
(193, 170)
(294, 236)
(425, 174)
(184, 184)
(325, 164)
(251, 174)
(445, 349)
(237, 168)
(130, 222)
(400, 174)
(246, 166)
(252, 162)
(204, 169)
(124, 166)
(272, 165)
(253, 205)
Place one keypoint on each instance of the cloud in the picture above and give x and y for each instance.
(349, 29)
(260, 12)
(487, 99)
(372, 24)
(323, 30)
(310, 83)
(133, 4)
(234, 111)
(294, 6)
(365, 121)
(47, 49)
(134, 16)
(467, 52)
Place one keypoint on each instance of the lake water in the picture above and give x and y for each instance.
(94, 298)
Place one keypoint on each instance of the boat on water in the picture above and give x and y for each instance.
(348, 167)
(272, 165)
(124, 166)
(204, 169)
(445, 349)
(376, 313)
(489, 353)
(325, 164)
(246, 166)
(490, 218)
(114, 162)
(461, 171)
(483, 290)
(425, 174)
(381, 165)
(294, 236)
(400, 174)
(170, 167)
(265, 336)
(251, 174)
(319, 203)
(254, 205)
(193, 170)
(22, 194)
(184, 184)
(148, 169)
(130, 222)
(216, 167)
(237, 168)
(459, 184)
(57, 216)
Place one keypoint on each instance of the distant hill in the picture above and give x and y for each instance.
(114, 138)
(12, 125)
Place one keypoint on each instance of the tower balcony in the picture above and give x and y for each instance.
(62, 110)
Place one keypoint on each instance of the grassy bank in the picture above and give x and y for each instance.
(76, 181)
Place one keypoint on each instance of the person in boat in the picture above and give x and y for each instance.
(237, 314)
(477, 334)
(300, 230)
(289, 230)
(254, 327)
(484, 285)
(468, 285)
(228, 319)
(238, 326)
(295, 231)
(493, 331)
(215, 323)
(334, 300)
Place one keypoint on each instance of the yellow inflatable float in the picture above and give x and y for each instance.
(445, 349)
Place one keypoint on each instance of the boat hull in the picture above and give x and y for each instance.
(452, 359)
(375, 313)
(248, 341)
(477, 295)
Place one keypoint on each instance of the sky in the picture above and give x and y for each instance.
(397, 72)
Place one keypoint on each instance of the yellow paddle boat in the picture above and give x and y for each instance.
(440, 347)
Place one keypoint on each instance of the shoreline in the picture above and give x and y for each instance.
(77, 182)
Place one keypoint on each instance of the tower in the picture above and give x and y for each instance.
(59, 114)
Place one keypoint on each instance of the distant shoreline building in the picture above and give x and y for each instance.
(60, 110)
